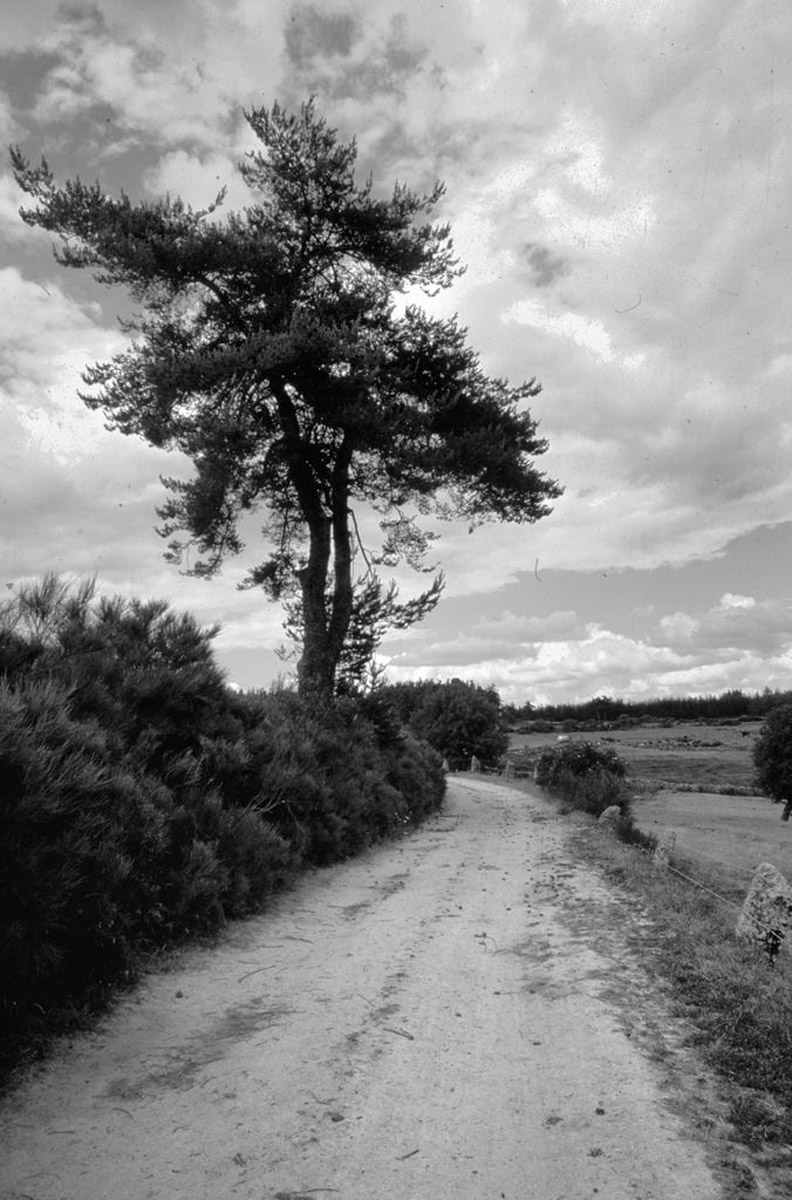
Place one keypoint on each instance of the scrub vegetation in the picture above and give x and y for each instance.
(143, 801)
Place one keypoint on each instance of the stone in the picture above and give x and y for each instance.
(508, 770)
(663, 850)
(475, 765)
(446, 767)
(611, 816)
(766, 914)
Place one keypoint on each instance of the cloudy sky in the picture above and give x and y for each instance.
(618, 181)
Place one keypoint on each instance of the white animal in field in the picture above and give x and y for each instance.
(563, 737)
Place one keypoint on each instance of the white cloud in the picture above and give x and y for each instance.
(198, 179)
(603, 661)
(12, 227)
(735, 622)
(732, 600)
(584, 331)
(679, 628)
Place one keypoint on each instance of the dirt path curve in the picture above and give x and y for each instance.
(423, 1023)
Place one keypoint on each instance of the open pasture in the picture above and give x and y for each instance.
(687, 754)
(725, 837)
(729, 835)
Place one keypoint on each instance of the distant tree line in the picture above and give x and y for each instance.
(732, 704)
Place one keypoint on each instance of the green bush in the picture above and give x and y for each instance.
(142, 801)
(586, 776)
(458, 719)
(78, 839)
(772, 754)
(102, 865)
(146, 674)
(576, 758)
(335, 782)
(593, 792)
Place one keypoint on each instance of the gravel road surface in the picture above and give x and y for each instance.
(448, 1016)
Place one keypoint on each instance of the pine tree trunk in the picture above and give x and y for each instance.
(315, 670)
(341, 608)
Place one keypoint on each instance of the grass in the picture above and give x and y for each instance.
(739, 1005)
(697, 757)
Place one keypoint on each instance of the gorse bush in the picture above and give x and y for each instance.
(142, 801)
(335, 781)
(103, 862)
(584, 775)
(145, 673)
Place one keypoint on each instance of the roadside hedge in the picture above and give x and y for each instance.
(142, 801)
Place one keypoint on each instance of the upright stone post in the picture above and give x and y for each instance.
(766, 914)
(610, 818)
(475, 765)
(508, 770)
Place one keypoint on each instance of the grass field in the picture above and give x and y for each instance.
(692, 755)
(729, 836)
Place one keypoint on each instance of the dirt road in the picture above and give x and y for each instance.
(448, 1016)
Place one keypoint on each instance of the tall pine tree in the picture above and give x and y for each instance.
(269, 350)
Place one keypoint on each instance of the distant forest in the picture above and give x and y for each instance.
(731, 705)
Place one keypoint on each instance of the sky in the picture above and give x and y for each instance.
(618, 184)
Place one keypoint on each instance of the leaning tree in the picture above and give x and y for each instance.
(269, 349)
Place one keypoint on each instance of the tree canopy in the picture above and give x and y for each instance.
(269, 349)
(772, 754)
(456, 717)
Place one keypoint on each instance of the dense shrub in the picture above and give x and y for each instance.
(101, 864)
(456, 718)
(772, 754)
(142, 801)
(335, 781)
(576, 758)
(586, 776)
(146, 673)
